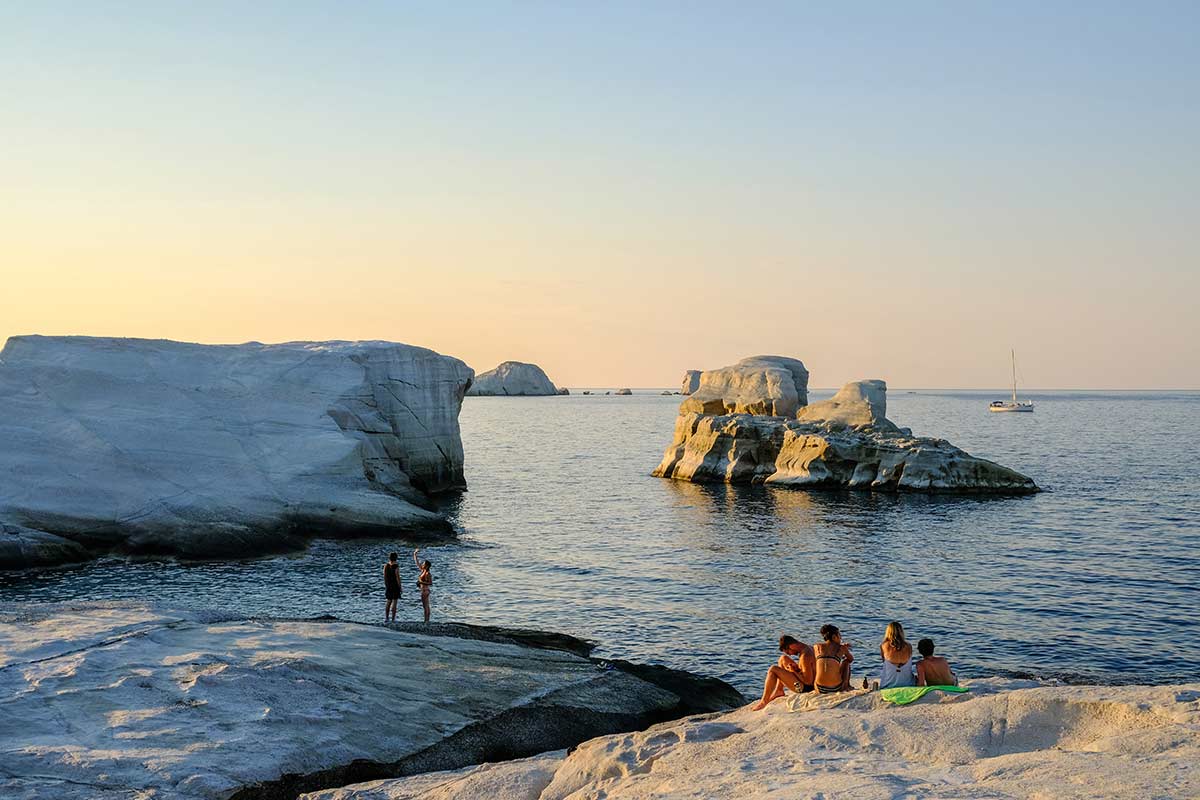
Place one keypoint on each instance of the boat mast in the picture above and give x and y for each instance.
(1014, 371)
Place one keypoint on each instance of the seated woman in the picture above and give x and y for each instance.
(833, 662)
(796, 675)
(933, 670)
(898, 669)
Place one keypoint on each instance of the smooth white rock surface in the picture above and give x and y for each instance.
(770, 385)
(1003, 739)
(515, 379)
(857, 403)
(691, 381)
(125, 701)
(154, 446)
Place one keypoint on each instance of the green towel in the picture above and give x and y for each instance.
(903, 695)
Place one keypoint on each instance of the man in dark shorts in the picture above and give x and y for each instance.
(391, 585)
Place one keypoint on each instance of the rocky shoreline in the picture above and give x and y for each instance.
(125, 701)
(1002, 739)
(265, 708)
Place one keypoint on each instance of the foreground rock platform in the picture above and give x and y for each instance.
(751, 423)
(125, 701)
(1004, 739)
(155, 447)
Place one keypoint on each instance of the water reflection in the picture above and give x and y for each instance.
(564, 529)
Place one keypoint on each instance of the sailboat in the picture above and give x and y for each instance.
(1014, 404)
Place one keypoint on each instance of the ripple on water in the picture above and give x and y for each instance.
(564, 529)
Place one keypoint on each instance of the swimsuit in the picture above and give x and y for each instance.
(829, 689)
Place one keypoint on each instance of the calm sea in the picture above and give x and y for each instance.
(1096, 579)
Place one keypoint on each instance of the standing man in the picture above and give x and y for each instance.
(391, 585)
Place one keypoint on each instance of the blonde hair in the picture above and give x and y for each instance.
(893, 637)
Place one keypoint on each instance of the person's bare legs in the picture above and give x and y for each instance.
(777, 678)
(425, 605)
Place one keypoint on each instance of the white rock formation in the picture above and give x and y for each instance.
(121, 701)
(846, 441)
(623, 392)
(151, 446)
(857, 403)
(998, 741)
(770, 385)
(691, 381)
(514, 379)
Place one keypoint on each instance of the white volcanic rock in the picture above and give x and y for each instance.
(997, 741)
(742, 448)
(771, 385)
(152, 446)
(691, 381)
(857, 403)
(846, 441)
(514, 379)
(124, 701)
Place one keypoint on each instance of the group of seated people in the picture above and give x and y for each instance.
(824, 667)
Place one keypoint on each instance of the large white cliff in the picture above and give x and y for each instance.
(513, 379)
(751, 423)
(161, 447)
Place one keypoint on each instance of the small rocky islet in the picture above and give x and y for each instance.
(752, 423)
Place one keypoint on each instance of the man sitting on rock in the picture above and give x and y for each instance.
(794, 670)
(933, 670)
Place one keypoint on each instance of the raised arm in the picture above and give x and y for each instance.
(416, 560)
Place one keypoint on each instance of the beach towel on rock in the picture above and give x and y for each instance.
(809, 701)
(903, 695)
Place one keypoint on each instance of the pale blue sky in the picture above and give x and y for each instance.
(618, 192)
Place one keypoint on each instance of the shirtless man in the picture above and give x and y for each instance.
(794, 669)
(933, 670)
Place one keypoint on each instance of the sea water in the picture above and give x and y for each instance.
(1096, 579)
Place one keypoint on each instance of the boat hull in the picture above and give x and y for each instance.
(1012, 407)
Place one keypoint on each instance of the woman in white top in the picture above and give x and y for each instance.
(898, 669)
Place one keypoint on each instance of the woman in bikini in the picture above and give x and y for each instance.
(833, 662)
(897, 653)
(424, 581)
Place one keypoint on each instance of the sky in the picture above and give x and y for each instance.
(617, 191)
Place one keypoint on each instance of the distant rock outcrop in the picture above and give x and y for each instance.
(691, 381)
(157, 447)
(513, 379)
(743, 425)
(771, 385)
(623, 392)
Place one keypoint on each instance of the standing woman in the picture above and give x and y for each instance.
(897, 655)
(391, 587)
(424, 581)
